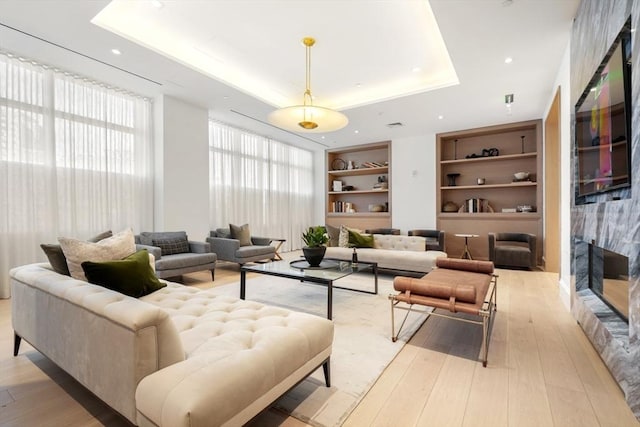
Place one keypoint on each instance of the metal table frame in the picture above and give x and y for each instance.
(311, 278)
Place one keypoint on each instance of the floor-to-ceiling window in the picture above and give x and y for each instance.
(261, 182)
(75, 159)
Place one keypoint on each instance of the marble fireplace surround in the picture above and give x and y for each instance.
(611, 220)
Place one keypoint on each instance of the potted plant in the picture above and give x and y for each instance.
(315, 239)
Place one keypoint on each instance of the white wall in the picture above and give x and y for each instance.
(413, 182)
(563, 81)
(182, 168)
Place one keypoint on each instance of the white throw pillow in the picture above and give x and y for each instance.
(76, 251)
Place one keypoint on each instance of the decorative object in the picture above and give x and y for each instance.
(486, 152)
(315, 239)
(476, 205)
(449, 207)
(308, 117)
(338, 164)
(524, 208)
(348, 188)
(337, 185)
(351, 165)
(480, 181)
(452, 179)
(354, 258)
(382, 183)
(521, 176)
(522, 143)
(304, 265)
(376, 208)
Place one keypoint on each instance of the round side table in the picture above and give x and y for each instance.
(465, 252)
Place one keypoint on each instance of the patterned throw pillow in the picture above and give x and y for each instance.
(343, 238)
(176, 245)
(76, 251)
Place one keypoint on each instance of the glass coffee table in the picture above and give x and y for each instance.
(329, 271)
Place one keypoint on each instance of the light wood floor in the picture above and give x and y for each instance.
(542, 371)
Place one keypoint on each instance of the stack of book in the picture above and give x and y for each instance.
(339, 206)
(373, 165)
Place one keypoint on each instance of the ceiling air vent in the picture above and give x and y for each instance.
(395, 125)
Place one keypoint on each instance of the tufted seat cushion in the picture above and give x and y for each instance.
(240, 350)
(399, 243)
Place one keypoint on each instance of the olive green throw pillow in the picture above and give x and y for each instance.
(359, 240)
(241, 233)
(132, 276)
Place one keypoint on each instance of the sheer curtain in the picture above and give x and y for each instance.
(261, 182)
(75, 159)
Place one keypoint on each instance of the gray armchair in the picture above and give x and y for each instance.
(175, 254)
(435, 238)
(229, 249)
(513, 249)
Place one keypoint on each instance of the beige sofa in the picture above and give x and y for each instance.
(405, 254)
(177, 357)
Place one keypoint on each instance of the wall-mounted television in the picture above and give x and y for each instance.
(603, 123)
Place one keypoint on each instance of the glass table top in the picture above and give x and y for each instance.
(330, 269)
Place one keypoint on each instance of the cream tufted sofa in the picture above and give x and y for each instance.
(177, 357)
(393, 252)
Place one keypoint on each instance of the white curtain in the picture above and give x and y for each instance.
(261, 182)
(75, 160)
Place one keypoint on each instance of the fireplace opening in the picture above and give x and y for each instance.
(609, 279)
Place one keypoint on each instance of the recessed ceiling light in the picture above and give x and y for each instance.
(322, 137)
(157, 3)
(115, 51)
(440, 117)
(416, 69)
(508, 60)
(358, 84)
(356, 131)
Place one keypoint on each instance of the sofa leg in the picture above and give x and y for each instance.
(327, 372)
(16, 343)
(213, 274)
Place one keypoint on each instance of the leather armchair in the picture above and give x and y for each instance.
(228, 249)
(394, 231)
(513, 250)
(435, 238)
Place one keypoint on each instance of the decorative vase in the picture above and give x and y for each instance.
(314, 255)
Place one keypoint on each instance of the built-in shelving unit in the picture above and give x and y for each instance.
(465, 153)
(363, 206)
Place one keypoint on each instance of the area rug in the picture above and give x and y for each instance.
(362, 347)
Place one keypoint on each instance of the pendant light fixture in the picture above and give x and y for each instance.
(308, 117)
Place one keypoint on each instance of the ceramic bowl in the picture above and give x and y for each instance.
(521, 175)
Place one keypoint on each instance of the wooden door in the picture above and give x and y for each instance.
(551, 251)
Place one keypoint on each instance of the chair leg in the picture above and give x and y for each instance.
(485, 343)
(16, 343)
(394, 335)
(326, 368)
(213, 274)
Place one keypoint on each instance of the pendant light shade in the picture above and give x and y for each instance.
(308, 117)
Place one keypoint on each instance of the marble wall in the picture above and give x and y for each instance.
(612, 224)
